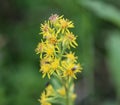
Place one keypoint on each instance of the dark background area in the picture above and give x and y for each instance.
(97, 25)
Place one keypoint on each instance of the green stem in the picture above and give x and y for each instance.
(67, 92)
(67, 97)
(65, 82)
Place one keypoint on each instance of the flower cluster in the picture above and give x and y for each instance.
(51, 96)
(56, 60)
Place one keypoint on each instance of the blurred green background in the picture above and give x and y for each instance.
(97, 24)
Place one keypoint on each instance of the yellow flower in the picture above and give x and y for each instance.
(53, 18)
(47, 96)
(46, 69)
(50, 65)
(52, 39)
(71, 57)
(65, 24)
(50, 91)
(44, 99)
(40, 48)
(62, 91)
(55, 66)
(46, 30)
(70, 69)
(46, 60)
(49, 50)
(69, 40)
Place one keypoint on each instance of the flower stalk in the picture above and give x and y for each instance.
(57, 61)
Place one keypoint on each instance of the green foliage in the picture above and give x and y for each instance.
(114, 58)
(105, 11)
(2, 96)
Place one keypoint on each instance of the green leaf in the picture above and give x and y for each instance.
(103, 10)
(113, 49)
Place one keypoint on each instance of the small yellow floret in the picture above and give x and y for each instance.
(62, 91)
(49, 50)
(50, 91)
(40, 47)
(69, 40)
(71, 69)
(44, 99)
(65, 24)
(71, 57)
(45, 69)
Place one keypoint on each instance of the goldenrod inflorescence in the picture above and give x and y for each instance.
(57, 61)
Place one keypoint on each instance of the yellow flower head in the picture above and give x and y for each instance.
(44, 99)
(40, 47)
(71, 69)
(71, 57)
(53, 18)
(69, 40)
(65, 24)
(50, 91)
(46, 69)
(62, 91)
(46, 60)
(47, 95)
(50, 65)
(55, 64)
(49, 50)
(46, 30)
(53, 40)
